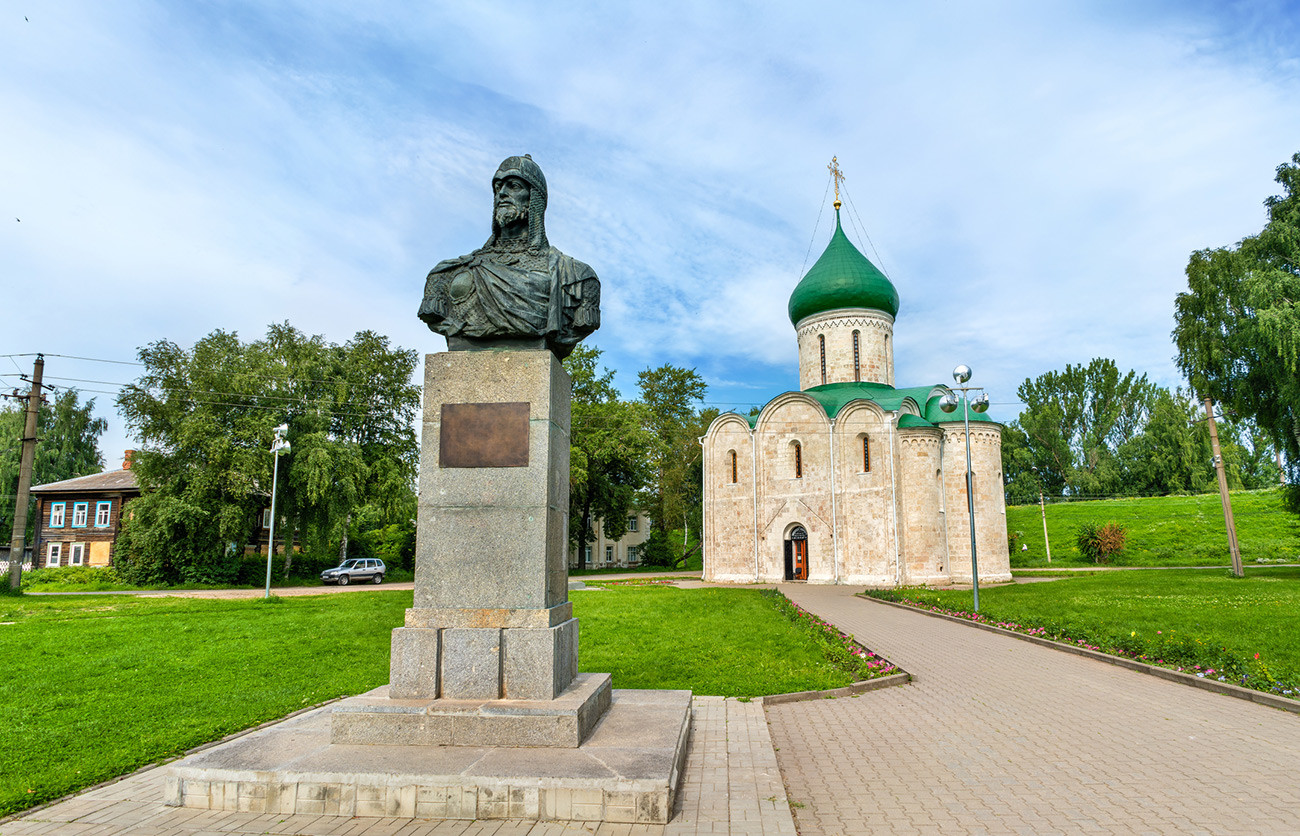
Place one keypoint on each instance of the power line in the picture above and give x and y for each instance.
(281, 408)
(288, 399)
(816, 226)
(74, 357)
(286, 378)
(863, 231)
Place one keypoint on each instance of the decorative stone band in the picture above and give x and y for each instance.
(920, 437)
(980, 434)
(845, 318)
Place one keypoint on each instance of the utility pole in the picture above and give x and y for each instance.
(18, 541)
(1223, 492)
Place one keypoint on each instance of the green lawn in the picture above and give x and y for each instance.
(1163, 530)
(95, 686)
(1187, 617)
(730, 642)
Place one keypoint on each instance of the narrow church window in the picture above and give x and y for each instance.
(866, 455)
(821, 341)
(733, 467)
(798, 460)
(857, 362)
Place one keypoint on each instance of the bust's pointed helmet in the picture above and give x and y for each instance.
(531, 173)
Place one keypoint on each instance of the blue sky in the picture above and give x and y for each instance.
(1032, 176)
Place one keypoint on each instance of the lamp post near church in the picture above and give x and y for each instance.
(980, 404)
(280, 445)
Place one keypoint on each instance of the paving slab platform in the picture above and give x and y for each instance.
(626, 771)
(731, 785)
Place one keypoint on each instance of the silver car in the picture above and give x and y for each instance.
(359, 570)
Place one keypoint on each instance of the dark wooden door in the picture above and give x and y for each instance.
(799, 548)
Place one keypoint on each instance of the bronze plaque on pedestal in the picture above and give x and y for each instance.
(483, 435)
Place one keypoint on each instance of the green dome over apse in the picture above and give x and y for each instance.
(842, 278)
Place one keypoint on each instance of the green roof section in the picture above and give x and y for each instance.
(842, 278)
(910, 420)
(833, 397)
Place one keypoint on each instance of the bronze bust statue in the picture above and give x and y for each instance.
(516, 291)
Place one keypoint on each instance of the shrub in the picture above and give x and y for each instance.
(91, 577)
(393, 544)
(659, 551)
(1013, 541)
(1101, 543)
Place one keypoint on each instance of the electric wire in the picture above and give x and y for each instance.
(862, 228)
(816, 227)
(73, 357)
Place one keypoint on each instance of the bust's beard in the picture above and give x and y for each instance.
(508, 213)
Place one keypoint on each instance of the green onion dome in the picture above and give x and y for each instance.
(842, 278)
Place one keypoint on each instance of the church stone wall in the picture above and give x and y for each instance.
(990, 502)
(728, 504)
(920, 503)
(864, 497)
(875, 347)
(786, 499)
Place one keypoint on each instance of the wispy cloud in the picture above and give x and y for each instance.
(1033, 176)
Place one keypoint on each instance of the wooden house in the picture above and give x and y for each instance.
(78, 519)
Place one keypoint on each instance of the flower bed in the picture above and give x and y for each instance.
(840, 648)
(1166, 649)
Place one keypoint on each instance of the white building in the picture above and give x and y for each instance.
(850, 479)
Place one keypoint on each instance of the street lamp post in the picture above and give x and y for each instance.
(280, 445)
(961, 374)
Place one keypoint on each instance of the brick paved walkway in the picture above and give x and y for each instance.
(731, 785)
(997, 735)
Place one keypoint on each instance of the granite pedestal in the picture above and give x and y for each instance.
(492, 625)
(486, 663)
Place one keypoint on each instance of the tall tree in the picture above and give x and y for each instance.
(206, 419)
(68, 446)
(1172, 453)
(609, 453)
(1075, 420)
(1237, 327)
(671, 395)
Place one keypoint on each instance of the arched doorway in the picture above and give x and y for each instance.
(796, 554)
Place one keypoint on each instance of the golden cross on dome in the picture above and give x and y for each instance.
(838, 176)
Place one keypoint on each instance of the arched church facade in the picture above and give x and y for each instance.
(851, 480)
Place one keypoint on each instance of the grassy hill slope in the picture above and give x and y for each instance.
(1162, 530)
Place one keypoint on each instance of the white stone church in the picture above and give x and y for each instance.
(851, 480)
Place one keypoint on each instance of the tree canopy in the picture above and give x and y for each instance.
(1237, 327)
(672, 395)
(1092, 431)
(609, 454)
(206, 416)
(629, 456)
(68, 446)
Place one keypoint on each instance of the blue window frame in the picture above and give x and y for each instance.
(103, 511)
(57, 510)
(80, 510)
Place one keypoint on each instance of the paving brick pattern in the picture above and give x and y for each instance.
(1000, 736)
(731, 785)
